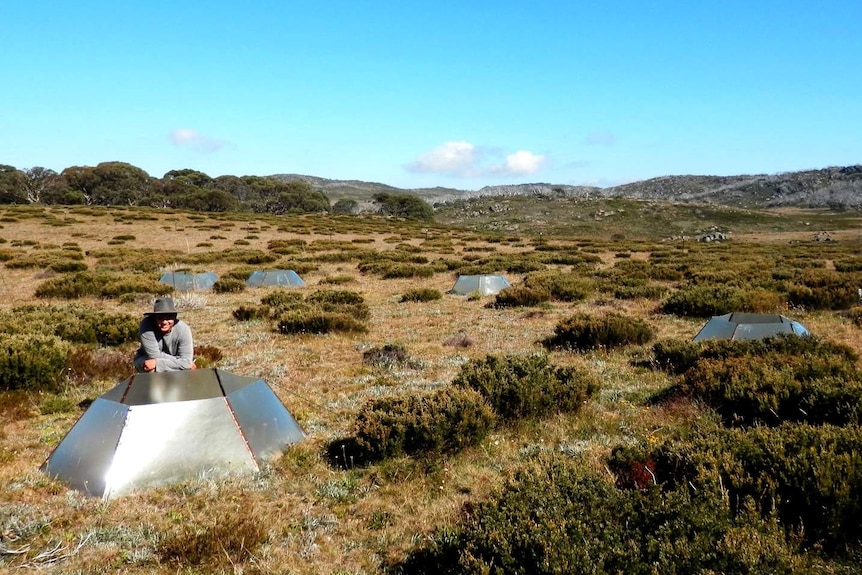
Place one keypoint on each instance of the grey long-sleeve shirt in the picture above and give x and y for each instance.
(173, 351)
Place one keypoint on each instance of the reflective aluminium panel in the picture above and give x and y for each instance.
(749, 326)
(484, 284)
(761, 330)
(158, 428)
(171, 386)
(167, 442)
(230, 382)
(274, 278)
(85, 455)
(265, 422)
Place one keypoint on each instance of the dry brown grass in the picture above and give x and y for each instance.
(303, 515)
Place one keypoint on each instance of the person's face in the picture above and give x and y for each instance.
(165, 323)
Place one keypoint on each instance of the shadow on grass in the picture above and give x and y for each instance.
(347, 454)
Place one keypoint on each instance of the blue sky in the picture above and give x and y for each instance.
(421, 94)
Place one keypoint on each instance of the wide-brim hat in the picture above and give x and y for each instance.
(163, 306)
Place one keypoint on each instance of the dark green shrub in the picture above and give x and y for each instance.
(333, 245)
(443, 421)
(782, 273)
(338, 297)
(520, 387)
(520, 296)
(100, 284)
(829, 297)
(379, 262)
(806, 475)
(116, 287)
(667, 273)
(421, 294)
(819, 277)
(817, 472)
(824, 289)
(786, 378)
(569, 259)
(321, 312)
(775, 388)
(240, 273)
(341, 302)
(237, 256)
(615, 278)
(66, 266)
(646, 291)
(63, 260)
(555, 517)
(71, 287)
(142, 260)
(334, 258)
(849, 265)
(563, 287)
(359, 312)
(703, 301)
(250, 312)
(228, 285)
(281, 299)
(761, 300)
(676, 355)
(523, 266)
(73, 323)
(32, 361)
(286, 246)
(444, 265)
(399, 270)
(809, 351)
(584, 332)
(7, 254)
(755, 388)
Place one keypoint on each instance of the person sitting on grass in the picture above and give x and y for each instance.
(166, 342)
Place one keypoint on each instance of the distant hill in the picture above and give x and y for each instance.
(363, 192)
(827, 188)
(834, 187)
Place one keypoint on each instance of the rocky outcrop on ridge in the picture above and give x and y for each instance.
(834, 187)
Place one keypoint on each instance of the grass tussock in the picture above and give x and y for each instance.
(220, 536)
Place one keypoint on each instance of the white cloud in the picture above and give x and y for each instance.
(185, 137)
(463, 159)
(452, 158)
(522, 163)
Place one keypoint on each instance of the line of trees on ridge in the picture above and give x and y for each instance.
(122, 184)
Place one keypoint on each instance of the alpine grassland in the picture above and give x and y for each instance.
(566, 425)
